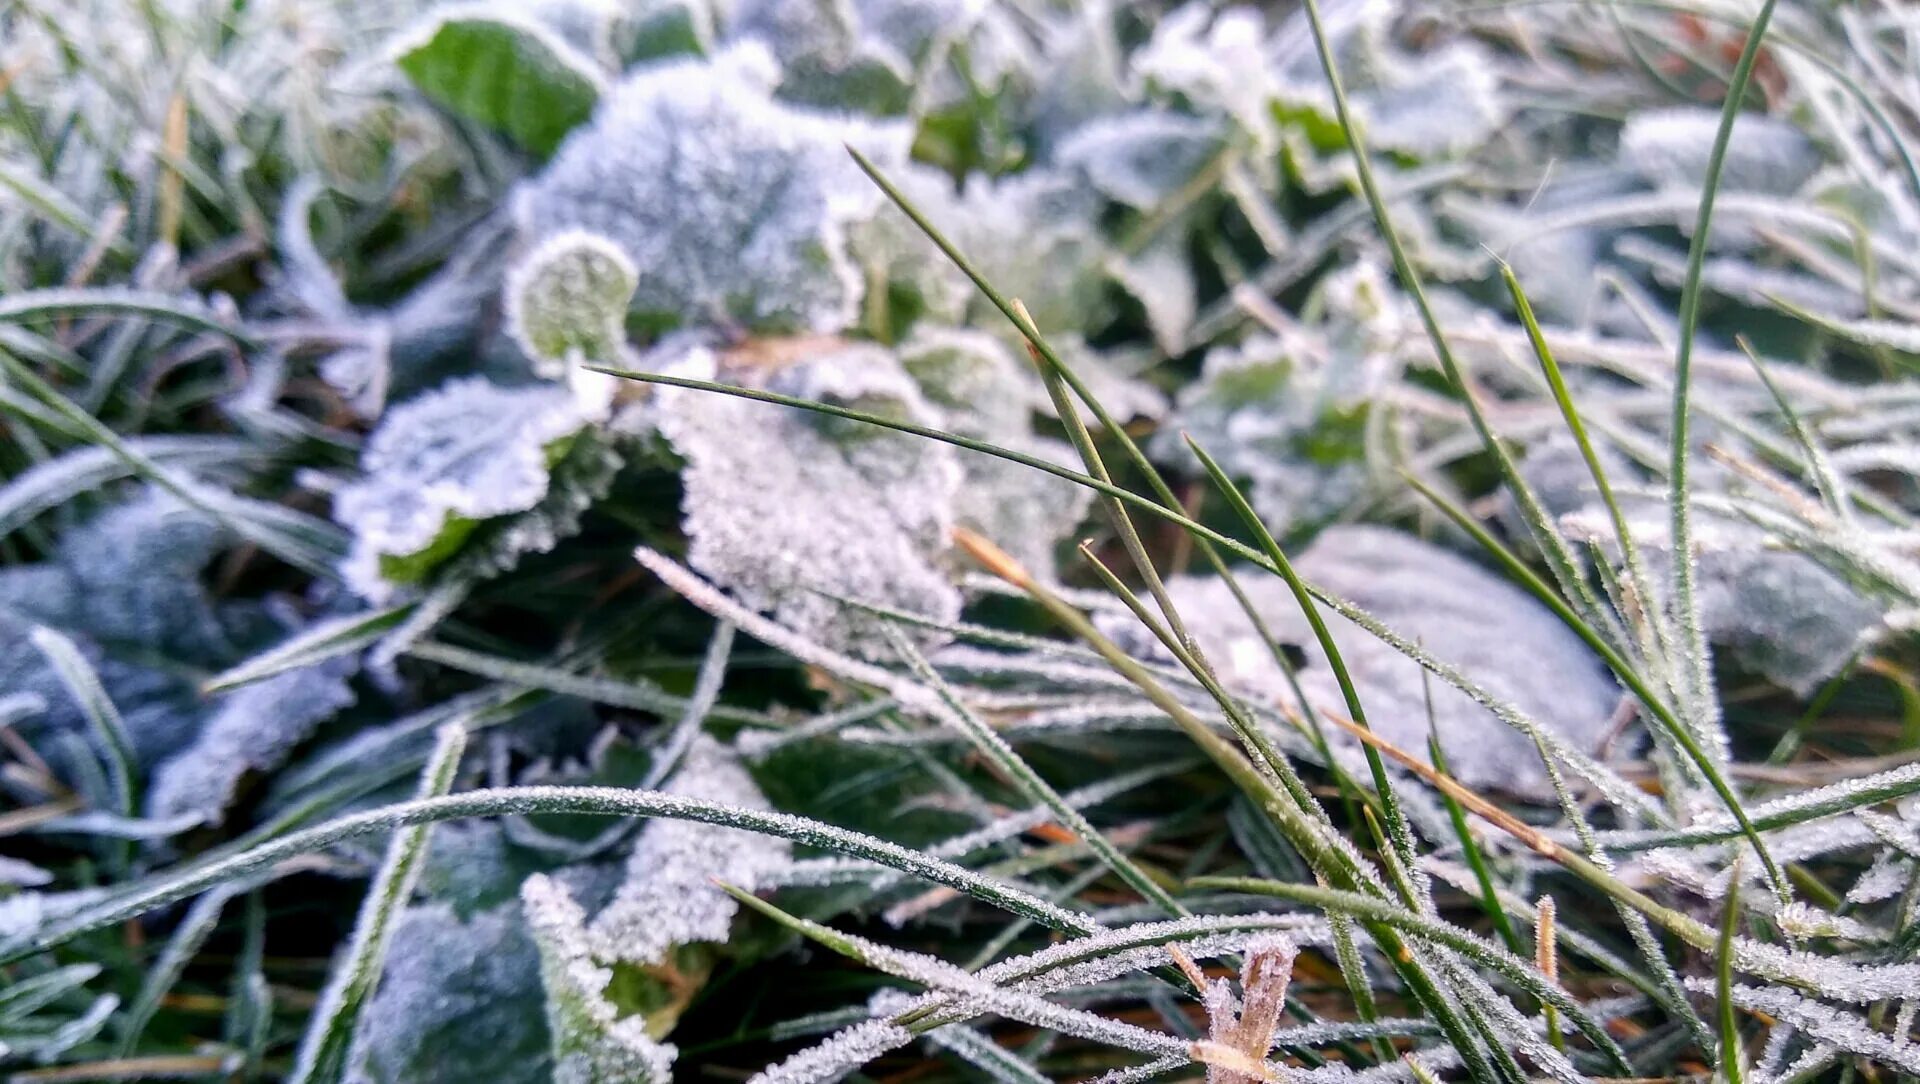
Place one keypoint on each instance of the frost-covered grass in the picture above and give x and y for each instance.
(1029, 540)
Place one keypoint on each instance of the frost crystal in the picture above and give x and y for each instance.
(592, 1043)
(732, 205)
(669, 897)
(439, 464)
(1670, 147)
(785, 508)
(1459, 612)
(458, 1001)
(829, 1061)
(567, 302)
(254, 728)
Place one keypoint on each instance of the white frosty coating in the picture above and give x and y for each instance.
(1217, 62)
(1246, 1024)
(1442, 100)
(458, 1001)
(1669, 148)
(567, 301)
(668, 897)
(1847, 1031)
(1461, 613)
(469, 450)
(1280, 412)
(732, 205)
(592, 1044)
(1885, 879)
(785, 508)
(1141, 158)
(254, 728)
(839, 1055)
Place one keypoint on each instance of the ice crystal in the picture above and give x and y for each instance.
(733, 205)
(669, 897)
(841, 1054)
(253, 729)
(592, 1043)
(785, 509)
(457, 1002)
(441, 464)
(567, 301)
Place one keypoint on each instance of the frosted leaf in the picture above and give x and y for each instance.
(784, 507)
(458, 1001)
(1217, 62)
(839, 1055)
(253, 729)
(130, 577)
(442, 463)
(668, 897)
(1141, 158)
(1161, 279)
(1439, 101)
(1276, 413)
(649, 29)
(1458, 611)
(1775, 611)
(825, 56)
(1034, 235)
(732, 205)
(1669, 148)
(24, 913)
(567, 302)
(592, 1043)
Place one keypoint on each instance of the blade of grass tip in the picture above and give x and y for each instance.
(325, 640)
(1685, 602)
(1560, 558)
(1546, 956)
(1730, 1048)
(1556, 381)
(1329, 860)
(1398, 835)
(1670, 724)
(1090, 457)
(323, 1049)
(1036, 790)
(83, 684)
(1826, 482)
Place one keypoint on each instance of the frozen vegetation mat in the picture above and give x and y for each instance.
(624, 541)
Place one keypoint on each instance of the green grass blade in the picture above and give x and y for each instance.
(1730, 1048)
(1686, 604)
